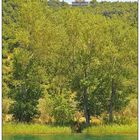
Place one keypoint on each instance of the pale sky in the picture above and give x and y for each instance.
(70, 1)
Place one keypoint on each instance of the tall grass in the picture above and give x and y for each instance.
(34, 129)
(112, 129)
(38, 129)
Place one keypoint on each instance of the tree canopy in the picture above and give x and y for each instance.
(76, 59)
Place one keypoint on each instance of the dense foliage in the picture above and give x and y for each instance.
(59, 61)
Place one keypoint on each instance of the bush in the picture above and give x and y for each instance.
(45, 109)
(5, 105)
(118, 119)
(6, 117)
(131, 110)
(64, 108)
(95, 121)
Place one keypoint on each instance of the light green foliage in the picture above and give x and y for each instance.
(45, 108)
(6, 103)
(5, 106)
(64, 108)
(66, 51)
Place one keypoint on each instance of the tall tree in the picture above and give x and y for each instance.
(26, 89)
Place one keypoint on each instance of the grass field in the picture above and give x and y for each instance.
(34, 129)
(37, 129)
(112, 129)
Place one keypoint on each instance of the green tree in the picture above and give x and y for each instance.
(26, 89)
(120, 64)
(56, 52)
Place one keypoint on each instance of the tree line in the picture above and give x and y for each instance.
(59, 61)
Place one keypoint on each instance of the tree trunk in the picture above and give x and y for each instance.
(111, 105)
(85, 101)
(86, 110)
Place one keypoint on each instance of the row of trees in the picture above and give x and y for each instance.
(72, 59)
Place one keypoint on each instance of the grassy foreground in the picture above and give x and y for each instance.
(112, 130)
(36, 129)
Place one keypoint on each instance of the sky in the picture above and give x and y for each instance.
(70, 1)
